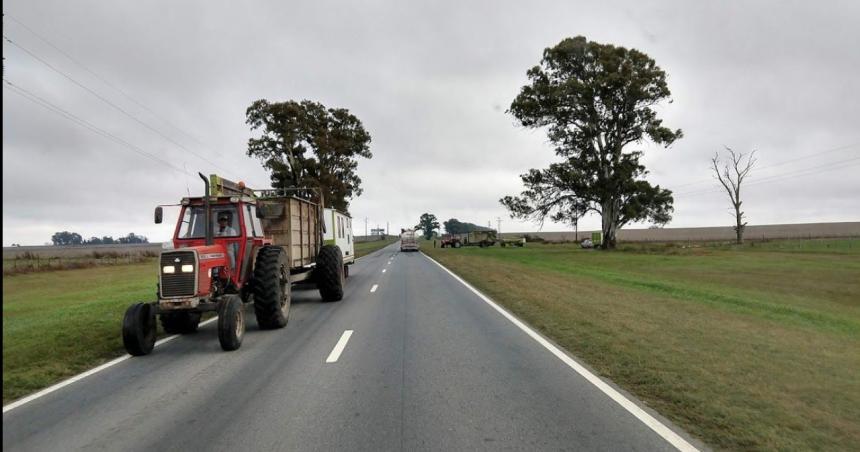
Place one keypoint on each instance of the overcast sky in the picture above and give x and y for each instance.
(431, 82)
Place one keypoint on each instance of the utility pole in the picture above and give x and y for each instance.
(499, 228)
(387, 226)
(365, 226)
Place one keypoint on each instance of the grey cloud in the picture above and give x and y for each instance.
(431, 83)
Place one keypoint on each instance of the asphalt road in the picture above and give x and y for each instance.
(428, 366)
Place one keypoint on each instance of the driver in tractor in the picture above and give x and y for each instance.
(224, 230)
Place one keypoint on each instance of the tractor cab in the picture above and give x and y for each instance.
(235, 230)
(214, 243)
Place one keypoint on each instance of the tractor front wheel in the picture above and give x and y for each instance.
(231, 322)
(138, 329)
(329, 273)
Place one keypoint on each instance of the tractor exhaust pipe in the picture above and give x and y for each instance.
(207, 222)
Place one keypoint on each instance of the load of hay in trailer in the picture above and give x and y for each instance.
(236, 246)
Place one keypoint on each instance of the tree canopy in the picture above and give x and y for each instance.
(67, 238)
(73, 238)
(594, 99)
(428, 224)
(455, 226)
(304, 144)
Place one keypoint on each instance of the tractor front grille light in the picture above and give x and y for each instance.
(178, 274)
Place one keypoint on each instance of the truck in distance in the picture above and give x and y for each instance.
(233, 247)
(408, 241)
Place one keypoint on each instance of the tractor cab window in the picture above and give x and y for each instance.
(224, 221)
(252, 224)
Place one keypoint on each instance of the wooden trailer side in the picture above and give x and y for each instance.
(293, 223)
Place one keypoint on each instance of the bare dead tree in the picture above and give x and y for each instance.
(731, 176)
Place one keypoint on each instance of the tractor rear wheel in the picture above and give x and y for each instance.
(180, 322)
(271, 288)
(231, 322)
(138, 329)
(329, 273)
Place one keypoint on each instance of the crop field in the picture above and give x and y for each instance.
(746, 347)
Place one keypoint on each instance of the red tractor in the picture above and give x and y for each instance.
(451, 241)
(231, 248)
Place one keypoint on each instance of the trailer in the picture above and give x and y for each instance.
(338, 231)
(231, 247)
(480, 238)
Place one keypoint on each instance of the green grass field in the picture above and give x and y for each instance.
(750, 347)
(57, 324)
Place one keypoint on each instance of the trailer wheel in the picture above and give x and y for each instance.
(138, 329)
(271, 288)
(231, 322)
(329, 273)
(180, 322)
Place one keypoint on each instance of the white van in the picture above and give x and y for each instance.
(338, 231)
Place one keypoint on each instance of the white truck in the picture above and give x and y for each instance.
(408, 242)
(338, 231)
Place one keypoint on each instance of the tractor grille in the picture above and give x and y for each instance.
(178, 284)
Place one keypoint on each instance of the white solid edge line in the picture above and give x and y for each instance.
(81, 376)
(655, 425)
(373, 289)
(338, 348)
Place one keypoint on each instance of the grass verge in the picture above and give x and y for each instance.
(753, 347)
(365, 248)
(57, 324)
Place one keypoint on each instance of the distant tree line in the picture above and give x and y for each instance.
(454, 226)
(73, 238)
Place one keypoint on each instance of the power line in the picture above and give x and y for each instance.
(102, 79)
(118, 108)
(792, 174)
(808, 156)
(85, 124)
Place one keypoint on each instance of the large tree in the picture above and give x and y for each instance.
(428, 224)
(595, 100)
(306, 145)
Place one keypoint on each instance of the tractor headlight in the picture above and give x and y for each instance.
(168, 269)
(187, 268)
